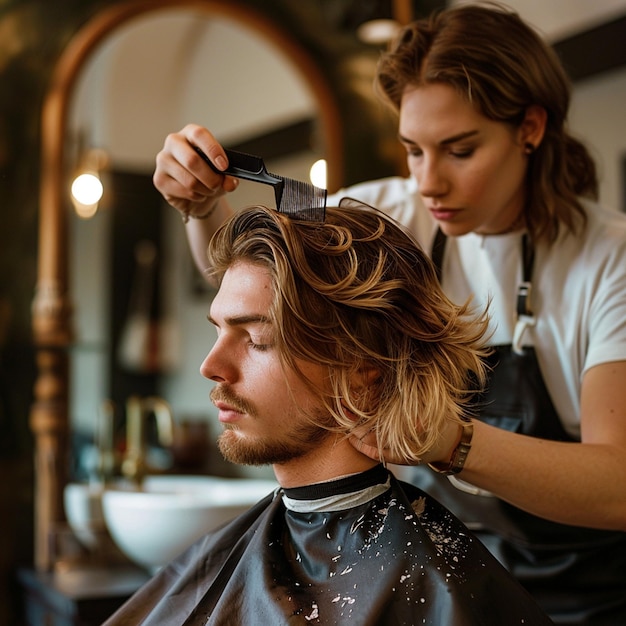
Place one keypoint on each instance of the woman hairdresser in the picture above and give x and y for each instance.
(504, 197)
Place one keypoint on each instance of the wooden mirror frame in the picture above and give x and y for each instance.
(52, 308)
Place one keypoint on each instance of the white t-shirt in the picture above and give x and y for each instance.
(578, 286)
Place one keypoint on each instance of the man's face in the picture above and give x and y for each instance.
(262, 406)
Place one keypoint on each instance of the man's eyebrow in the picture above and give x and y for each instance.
(444, 142)
(239, 320)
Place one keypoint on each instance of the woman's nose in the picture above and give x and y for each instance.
(430, 179)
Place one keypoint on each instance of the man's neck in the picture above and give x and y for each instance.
(330, 461)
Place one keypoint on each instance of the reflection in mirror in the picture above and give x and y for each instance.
(135, 72)
(140, 310)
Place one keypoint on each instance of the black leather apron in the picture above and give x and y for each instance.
(578, 575)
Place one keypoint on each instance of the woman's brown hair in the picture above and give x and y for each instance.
(502, 67)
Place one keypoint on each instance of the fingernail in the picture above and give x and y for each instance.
(221, 162)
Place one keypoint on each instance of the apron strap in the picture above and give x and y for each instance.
(525, 315)
(437, 250)
(524, 289)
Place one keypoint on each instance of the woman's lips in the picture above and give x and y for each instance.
(443, 214)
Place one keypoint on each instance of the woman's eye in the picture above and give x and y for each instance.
(462, 153)
(459, 153)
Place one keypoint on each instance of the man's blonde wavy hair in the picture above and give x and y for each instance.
(357, 294)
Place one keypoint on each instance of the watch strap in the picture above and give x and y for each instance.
(459, 454)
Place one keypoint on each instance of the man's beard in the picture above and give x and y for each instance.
(270, 450)
(277, 448)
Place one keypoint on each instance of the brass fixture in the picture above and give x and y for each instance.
(138, 410)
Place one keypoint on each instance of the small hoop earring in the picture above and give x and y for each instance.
(529, 148)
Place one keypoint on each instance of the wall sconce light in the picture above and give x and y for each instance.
(377, 21)
(377, 31)
(87, 188)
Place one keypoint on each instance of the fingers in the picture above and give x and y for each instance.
(366, 444)
(202, 140)
(365, 448)
(182, 176)
(183, 149)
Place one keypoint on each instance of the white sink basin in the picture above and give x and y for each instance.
(156, 524)
(83, 509)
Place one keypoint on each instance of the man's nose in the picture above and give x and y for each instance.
(218, 365)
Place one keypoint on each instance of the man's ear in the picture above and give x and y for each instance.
(362, 388)
(365, 377)
(533, 127)
(362, 382)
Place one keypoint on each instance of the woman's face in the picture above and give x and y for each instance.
(470, 170)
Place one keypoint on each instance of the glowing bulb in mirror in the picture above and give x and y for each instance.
(87, 189)
(317, 174)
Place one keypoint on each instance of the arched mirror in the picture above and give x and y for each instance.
(134, 73)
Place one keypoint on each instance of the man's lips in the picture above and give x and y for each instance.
(230, 406)
(227, 413)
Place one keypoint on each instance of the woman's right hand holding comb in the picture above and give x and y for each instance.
(193, 188)
(182, 176)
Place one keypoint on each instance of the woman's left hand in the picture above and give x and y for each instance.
(365, 442)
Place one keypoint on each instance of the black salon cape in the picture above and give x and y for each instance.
(399, 559)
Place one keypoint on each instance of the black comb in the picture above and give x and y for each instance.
(294, 198)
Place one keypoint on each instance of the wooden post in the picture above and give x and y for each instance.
(403, 11)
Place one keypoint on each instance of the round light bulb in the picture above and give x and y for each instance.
(378, 31)
(87, 189)
(317, 173)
